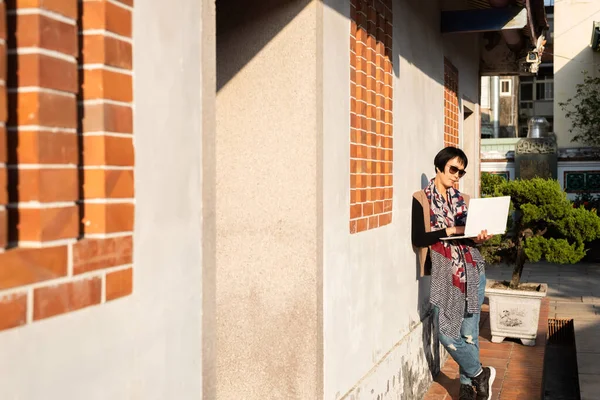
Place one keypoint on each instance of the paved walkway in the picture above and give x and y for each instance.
(574, 293)
(519, 369)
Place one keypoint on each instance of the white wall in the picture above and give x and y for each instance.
(149, 345)
(463, 51)
(268, 210)
(572, 33)
(373, 302)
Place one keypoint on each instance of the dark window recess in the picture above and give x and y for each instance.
(526, 92)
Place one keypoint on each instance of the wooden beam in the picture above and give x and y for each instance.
(483, 20)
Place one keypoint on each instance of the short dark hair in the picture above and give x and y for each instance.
(447, 154)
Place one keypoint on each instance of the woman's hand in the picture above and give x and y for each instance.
(482, 237)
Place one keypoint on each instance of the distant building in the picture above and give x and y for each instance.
(499, 106)
(568, 51)
(536, 97)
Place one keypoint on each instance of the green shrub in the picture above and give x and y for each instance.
(544, 225)
(489, 183)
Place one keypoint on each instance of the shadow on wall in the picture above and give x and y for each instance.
(431, 348)
(236, 15)
(12, 140)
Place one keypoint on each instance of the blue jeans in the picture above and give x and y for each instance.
(465, 350)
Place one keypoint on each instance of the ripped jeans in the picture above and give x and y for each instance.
(465, 350)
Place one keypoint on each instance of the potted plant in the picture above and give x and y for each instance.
(543, 225)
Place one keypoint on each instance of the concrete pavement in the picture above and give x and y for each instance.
(574, 293)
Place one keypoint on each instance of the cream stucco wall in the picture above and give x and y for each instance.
(572, 33)
(377, 335)
(463, 51)
(149, 345)
(268, 207)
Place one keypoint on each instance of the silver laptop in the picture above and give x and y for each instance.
(489, 213)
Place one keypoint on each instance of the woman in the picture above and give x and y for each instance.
(456, 267)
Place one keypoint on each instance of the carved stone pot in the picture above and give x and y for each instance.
(514, 313)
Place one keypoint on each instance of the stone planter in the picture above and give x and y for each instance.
(514, 313)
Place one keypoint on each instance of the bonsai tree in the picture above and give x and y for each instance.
(543, 224)
(582, 110)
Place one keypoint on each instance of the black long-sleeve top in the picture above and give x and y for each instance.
(421, 238)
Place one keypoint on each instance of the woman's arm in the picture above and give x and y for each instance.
(420, 238)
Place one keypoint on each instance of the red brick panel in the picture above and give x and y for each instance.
(66, 8)
(106, 106)
(371, 124)
(65, 297)
(13, 310)
(119, 284)
(451, 108)
(42, 82)
(47, 224)
(94, 254)
(68, 150)
(20, 267)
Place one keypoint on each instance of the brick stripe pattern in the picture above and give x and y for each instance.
(69, 157)
(42, 136)
(3, 117)
(371, 124)
(106, 108)
(106, 168)
(451, 108)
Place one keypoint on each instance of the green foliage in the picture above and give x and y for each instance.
(493, 250)
(544, 225)
(582, 110)
(489, 183)
(558, 251)
(588, 201)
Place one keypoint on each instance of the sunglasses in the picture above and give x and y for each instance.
(453, 170)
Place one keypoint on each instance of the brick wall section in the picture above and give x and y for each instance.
(371, 125)
(42, 137)
(451, 108)
(69, 157)
(107, 138)
(3, 117)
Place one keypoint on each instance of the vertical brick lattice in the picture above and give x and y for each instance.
(42, 130)
(451, 109)
(107, 139)
(371, 125)
(68, 150)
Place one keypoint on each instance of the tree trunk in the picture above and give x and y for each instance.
(518, 269)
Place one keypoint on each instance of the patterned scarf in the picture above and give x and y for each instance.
(455, 266)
